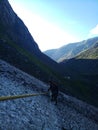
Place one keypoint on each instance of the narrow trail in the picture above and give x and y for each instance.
(38, 112)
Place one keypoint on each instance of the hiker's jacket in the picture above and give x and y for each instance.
(53, 88)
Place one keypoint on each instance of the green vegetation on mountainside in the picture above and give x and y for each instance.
(91, 53)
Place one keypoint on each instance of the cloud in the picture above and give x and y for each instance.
(94, 31)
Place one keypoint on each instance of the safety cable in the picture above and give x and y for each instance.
(3, 98)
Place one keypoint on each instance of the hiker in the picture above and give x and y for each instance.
(53, 91)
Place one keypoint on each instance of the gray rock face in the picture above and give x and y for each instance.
(14, 29)
(38, 112)
(7, 13)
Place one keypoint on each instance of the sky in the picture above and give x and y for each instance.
(54, 23)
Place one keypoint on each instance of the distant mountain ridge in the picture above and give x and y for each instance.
(70, 50)
(91, 53)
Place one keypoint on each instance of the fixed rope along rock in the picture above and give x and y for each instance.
(3, 98)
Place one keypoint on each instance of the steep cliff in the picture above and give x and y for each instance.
(13, 28)
(18, 47)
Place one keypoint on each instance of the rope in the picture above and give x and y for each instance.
(3, 98)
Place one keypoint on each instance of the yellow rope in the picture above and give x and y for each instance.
(3, 98)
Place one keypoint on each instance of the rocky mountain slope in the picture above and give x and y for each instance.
(70, 50)
(39, 113)
(18, 47)
(91, 53)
